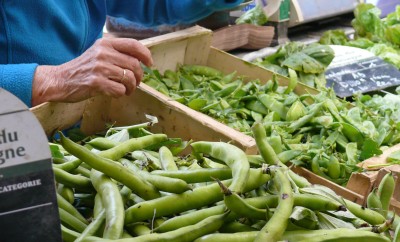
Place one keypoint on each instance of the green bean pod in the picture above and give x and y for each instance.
(396, 236)
(236, 227)
(112, 202)
(125, 193)
(276, 225)
(75, 181)
(238, 205)
(333, 167)
(68, 235)
(305, 119)
(231, 155)
(338, 235)
(162, 183)
(313, 202)
(111, 169)
(203, 70)
(102, 143)
(133, 144)
(310, 201)
(177, 203)
(93, 227)
(288, 155)
(68, 165)
(167, 159)
(121, 149)
(366, 214)
(184, 234)
(64, 204)
(257, 106)
(373, 201)
(272, 104)
(209, 163)
(342, 234)
(66, 192)
(331, 107)
(385, 191)
(138, 229)
(126, 235)
(98, 206)
(70, 220)
(197, 175)
(264, 148)
(187, 219)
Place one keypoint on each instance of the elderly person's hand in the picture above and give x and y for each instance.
(110, 67)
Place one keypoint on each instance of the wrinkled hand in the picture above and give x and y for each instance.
(98, 71)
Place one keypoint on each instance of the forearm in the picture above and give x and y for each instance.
(44, 85)
(17, 79)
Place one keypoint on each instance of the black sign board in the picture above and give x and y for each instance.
(356, 70)
(28, 204)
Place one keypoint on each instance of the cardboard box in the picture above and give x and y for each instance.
(189, 46)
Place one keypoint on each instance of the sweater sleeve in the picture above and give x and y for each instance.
(151, 13)
(17, 79)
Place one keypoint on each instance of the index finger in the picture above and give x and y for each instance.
(133, 48)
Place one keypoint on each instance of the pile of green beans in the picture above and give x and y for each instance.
(214, 193)
(320, 132)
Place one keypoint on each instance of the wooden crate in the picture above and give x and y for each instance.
(190, 46)
(362, 183)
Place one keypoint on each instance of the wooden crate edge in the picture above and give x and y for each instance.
(341, 191)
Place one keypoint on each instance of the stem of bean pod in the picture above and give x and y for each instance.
(276, 226)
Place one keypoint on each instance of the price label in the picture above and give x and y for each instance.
(28, 203)
(357, 70)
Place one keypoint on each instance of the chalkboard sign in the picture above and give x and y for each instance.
(28, 203)
(357, 70)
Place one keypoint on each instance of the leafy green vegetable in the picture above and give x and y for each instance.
(362, 43)
(55, 150)
(369, 149)
(255, 16)
(379, 36)
(367, 22)
(392, 34)
(387, 53)
(309, 62)
(334, 37)
(393, 18)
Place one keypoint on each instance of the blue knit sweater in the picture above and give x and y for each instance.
(49, 32)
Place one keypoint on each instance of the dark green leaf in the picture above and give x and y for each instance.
(369, 149)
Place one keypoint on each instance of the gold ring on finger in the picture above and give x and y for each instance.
(123, 76)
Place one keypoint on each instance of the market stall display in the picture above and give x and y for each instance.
(234, 152)
(179, 120)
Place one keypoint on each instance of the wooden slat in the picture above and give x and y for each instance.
(341, 191)
(175, 119)
(362, 183)
(177, 36)
(95, 115)
(58, 116)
